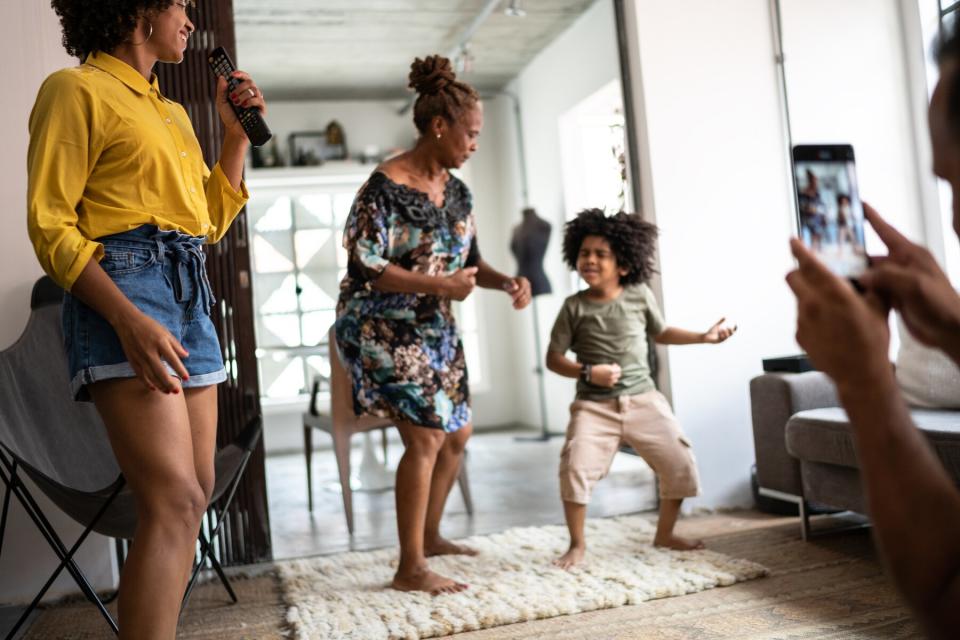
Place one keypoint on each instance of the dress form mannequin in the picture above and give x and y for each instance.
(528, 245)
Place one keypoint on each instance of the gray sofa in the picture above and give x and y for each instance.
(804, 447)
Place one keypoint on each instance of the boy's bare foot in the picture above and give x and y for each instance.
(571, 558)
(440, 546)
(423, 579)
(677, 543)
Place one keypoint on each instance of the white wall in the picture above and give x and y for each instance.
(716, 181)
(30, 48)
(856, 91)
(573, 67)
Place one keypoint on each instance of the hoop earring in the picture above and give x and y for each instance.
(150, 33)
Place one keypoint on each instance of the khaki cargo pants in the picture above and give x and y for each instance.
(646, 423)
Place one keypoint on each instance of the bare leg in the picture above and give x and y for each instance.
(414, 472)
(444, 475)
(202, 409)
(669, 510)
(151, 437)
(576, 515)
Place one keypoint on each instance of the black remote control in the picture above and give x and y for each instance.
(257, 130)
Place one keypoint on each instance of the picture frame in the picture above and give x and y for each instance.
(310, 148)
(306, 148)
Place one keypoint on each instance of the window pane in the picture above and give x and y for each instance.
(316, 325)
(272, 252)
(341, 208)
(318, 365)
(264, 286)
(319, 290)
(275, 293)
(278, 331)
(296, 235)
(271, 213)
(314, 210)
(314, 249)
(282, 376)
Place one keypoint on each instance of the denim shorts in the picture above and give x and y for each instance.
(163, 274)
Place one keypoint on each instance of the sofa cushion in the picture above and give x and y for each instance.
(823, 435)
(774, 397)
(927, 377)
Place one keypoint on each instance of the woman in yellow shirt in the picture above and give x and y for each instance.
(120, 202)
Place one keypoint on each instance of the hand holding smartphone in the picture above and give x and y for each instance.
(829, 210)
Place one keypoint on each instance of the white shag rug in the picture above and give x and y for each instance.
(345, 596)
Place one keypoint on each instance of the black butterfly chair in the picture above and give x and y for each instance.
(62, 447)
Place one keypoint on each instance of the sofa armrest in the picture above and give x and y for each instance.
(774, 397)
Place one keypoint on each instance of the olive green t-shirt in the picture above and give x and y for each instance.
(608, 332)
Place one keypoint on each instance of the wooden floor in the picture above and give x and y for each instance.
(514, 483)
(830, 588)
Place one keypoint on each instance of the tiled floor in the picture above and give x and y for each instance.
(513, 482)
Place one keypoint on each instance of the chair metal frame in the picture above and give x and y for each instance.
(10, 467)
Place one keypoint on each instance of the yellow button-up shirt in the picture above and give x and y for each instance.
(109, 153)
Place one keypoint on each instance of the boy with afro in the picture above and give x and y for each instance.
(606, 326)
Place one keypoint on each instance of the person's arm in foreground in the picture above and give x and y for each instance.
(912, 501)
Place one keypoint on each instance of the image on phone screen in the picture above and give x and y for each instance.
(829, 211)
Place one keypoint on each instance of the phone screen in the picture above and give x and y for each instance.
(829, 210)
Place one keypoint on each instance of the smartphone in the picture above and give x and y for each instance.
(829, 211)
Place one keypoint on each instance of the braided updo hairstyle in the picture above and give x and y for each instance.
(440, 94)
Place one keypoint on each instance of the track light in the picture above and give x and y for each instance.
(515, 9)
(464, 60)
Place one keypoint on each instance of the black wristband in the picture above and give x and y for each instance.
(585, 373)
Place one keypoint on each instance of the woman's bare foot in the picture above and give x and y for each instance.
(571, 558)
(677, 543)
(423, 579)
(440, 546)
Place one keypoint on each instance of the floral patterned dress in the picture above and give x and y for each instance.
(403, 350)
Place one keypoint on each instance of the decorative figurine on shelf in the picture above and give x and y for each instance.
(274, 159)
(371, 154)
(257, 159)
(307, 158)
(336, 148)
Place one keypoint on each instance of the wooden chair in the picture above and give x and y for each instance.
(342, 423)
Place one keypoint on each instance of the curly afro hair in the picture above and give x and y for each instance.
(101, 25)
(440, 93)
(632, 241)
